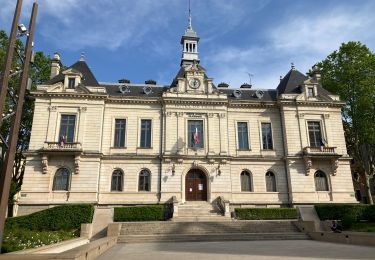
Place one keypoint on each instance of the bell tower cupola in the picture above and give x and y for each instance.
(189, 42)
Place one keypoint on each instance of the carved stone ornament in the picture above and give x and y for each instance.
(335, 166)
(210, 115)
(180, 160)
(195, 163)
(180, 114)
(211, 161)
(168, 113)
(326, 116)
(44, 164)
(301, 115)
(222, 115)
(82, 109)
(76, 165)
(52, 108)
(308, 165)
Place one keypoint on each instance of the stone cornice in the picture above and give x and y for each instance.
(313, 103)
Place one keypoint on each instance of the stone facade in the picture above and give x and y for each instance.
(91, 156)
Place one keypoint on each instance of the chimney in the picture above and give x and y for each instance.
(316, 73)
(55, 65)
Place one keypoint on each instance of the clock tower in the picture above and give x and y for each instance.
(189, 42)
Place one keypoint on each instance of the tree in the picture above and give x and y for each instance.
(350, 73)
(39, 72)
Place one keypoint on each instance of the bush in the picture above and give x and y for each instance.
(348, 220)
(20, 239)
(339, 211)
(66, 217)
(139, 213)
(369, 213)
(264, 213)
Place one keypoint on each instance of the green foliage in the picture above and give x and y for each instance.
(39, 72)
(350, 73)
(340, 211)
(139, 213)
(19, 239)
(265, 213)
(369, 213)
(363, 227)
(66, 217)
(348, 220)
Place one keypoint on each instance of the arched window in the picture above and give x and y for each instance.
(321, 183)
(270, 182)
(117, 180)
(245, 181)
(144, 181)
(61, 181)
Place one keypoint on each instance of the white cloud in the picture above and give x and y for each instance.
(303, 39)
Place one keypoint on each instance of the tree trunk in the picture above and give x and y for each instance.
(368, 190)
(10, 210)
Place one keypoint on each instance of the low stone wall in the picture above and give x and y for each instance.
(354, 238)
(85, 252)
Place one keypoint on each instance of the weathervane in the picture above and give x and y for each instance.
(250, 76)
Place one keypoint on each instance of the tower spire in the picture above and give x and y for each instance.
(189, 26)
(189, 43)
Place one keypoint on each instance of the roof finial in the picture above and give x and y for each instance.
(189, 27)
(292, 66)
(82, 58)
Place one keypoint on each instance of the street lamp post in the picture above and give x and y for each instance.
(7, 167)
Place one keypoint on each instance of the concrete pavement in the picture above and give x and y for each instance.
(270, 250)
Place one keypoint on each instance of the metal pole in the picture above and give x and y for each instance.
(9, 58)
(6, 174)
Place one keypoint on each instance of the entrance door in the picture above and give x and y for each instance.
(195, 185)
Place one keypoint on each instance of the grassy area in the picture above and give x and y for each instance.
(19, 238)
(363, 227)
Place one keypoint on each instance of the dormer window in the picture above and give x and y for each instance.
(71, 82)
(310, 92)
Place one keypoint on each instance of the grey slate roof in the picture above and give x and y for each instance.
(81, 66)
(249, 94)
(135, 90)
(291, 82)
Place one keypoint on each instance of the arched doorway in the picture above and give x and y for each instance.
(195, 185)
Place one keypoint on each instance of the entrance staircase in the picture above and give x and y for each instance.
(202, 221)
(169, 231)
(199, 211)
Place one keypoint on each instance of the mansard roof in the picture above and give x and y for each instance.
(133, 90)
(291, 82)
(81, 66)
(249, 94)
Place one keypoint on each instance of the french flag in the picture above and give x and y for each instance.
(196, 137)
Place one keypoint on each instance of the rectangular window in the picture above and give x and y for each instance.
(267, 136)
(67, 127)
(145, 133)
(71, 82)
(243, 141)
(120, 125)
(195, 134)
(310, 92)
(315, 134)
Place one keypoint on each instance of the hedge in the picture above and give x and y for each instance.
(66, 217)
(265, 213)
(342, 211)
(139, 213)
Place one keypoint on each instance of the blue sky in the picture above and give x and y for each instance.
(140, 39)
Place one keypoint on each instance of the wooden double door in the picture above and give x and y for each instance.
(195, 186)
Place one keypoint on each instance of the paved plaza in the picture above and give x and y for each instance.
(287, 249)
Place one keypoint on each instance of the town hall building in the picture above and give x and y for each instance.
(125, 143)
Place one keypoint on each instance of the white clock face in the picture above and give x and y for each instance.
(194, 83)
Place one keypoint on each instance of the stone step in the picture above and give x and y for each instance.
(204, 226)
(201, 218)
(211, 237)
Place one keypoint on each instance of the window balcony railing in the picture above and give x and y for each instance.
(319, 150)
(62, 146)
